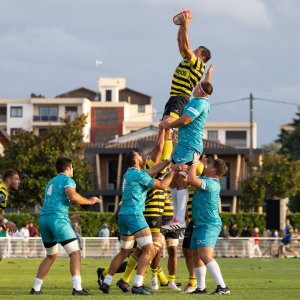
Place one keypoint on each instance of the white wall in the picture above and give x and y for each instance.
(24, 122)
(111, 82)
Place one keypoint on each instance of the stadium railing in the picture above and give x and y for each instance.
(18, 247)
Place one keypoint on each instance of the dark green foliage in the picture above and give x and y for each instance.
(34, 156)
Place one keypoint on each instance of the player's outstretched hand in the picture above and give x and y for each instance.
(184, 20)
(196, 158)
(179, 167)
(5, 229)
(95, 200)
(75, 218)
(164, 124)
(210, 69)
(11, 226)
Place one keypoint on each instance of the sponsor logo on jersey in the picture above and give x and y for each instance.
(181, 72)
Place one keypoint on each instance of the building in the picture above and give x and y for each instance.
(287, 127)
(109, 168)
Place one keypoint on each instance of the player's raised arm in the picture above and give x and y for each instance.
(192, 178)
(179, 40)
(74, 196)
(158, 147)
(158, 168)
(185, 43)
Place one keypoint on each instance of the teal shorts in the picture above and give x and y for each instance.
(130, 224)
(205, 236)
(55, 228)
(183, 154)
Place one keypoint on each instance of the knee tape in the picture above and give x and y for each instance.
(71, 247)
(156, 242)
(52, 250)
(127, 244)
(172, 242)
(145, 240)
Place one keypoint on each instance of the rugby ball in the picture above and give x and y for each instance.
(176, 19)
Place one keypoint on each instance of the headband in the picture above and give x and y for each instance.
(201, 90)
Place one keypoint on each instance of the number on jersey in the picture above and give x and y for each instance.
(49, 192)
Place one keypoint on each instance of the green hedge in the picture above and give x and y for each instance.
(92, 221)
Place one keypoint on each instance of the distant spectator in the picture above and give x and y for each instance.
(24, 232)
(4, 242)
(104, 232)
(33, 233)
(256, 242)
(14, 243)
(77, 230)
(246, 243)
(274, 243)
(295, 237)
(233, 232)
(266, 234)
(224, 243)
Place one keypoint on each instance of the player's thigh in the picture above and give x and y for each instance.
(132, 224)
(46, 229)
(62, 230)
(127, 243)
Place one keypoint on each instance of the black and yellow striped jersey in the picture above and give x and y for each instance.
(3, 196)
(186, 76)
(155, 200)
(191, 189)
(168, 207)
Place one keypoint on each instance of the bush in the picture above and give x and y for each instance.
(92, 221)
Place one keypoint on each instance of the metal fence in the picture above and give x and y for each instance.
(18, 247)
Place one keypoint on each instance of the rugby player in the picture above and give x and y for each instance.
(286, 240)
(190, 132)
(132, 223)
(56, 226)
(10, 182)
(191, 256)
(206, 217)
(186, 76)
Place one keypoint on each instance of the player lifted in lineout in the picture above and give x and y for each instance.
(56, 227)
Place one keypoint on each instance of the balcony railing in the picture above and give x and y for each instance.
(45, 119)
(239, 143)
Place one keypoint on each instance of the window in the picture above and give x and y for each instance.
(141, 108)
(48, 111)
(14, 131)
(107, 116)
(236, 138)
(42, 130)
(112, 168)
(104, 135)
(16, 112)
(2, 114)
(72, 111)
(225, 179)
(108, 95)
(212, 135)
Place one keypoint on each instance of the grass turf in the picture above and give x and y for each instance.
(247, 278)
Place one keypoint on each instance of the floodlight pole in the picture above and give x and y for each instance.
(97, 77)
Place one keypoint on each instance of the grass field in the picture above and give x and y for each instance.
(247, 278)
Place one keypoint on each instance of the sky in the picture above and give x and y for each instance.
(50, 47)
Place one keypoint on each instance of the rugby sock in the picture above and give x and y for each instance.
(131, 264)
(146, 271)
(138, 280)
(167, 150)
(107, 280)
(76, 279)
(154, 272)
(105, 272)
(171, 278)
(215, 272)
(200, 275)
(182, 199)
(37, 284)
(174, 200)
(192, 281)
(162, 277)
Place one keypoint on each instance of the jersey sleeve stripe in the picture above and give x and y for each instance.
(72, 186)
(203, 184)
(194, 111)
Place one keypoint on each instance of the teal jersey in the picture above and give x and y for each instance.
(56, 201)
(206, 202)
(190, 135)
(134, 191)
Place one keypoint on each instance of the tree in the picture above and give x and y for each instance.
(33, 157)
(276, 178)
(290, 143)
(273, 146)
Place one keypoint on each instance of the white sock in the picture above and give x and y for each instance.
(76, 279)
(215, 272)
(200, 275)
(174, 200)
(37, 284)
(138, 280)
(182, 199)
(107, 280)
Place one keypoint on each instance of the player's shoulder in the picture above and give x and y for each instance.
(290, 227)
